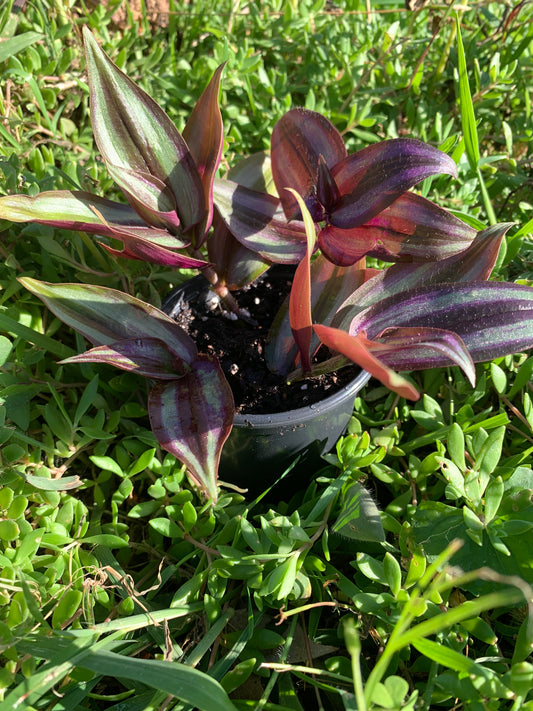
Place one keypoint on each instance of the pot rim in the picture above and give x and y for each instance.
(302, 415)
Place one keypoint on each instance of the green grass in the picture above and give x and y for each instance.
(120, 588)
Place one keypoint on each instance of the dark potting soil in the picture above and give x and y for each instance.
(240, 346)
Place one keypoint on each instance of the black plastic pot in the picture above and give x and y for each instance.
(261, 447)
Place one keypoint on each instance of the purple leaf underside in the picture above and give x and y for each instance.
(411, 229)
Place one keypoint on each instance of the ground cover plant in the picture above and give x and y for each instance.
(120, 586)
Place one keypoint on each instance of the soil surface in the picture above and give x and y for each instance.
(240, 346)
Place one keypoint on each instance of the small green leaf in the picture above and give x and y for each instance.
(66, 608)
(393, 573)
(491, 452)
(456, 446)
(238, 675)
(9, 530)
(106, 539)
(499, 378)
(166, 527)
(142, 463)
(5, 349)
(189, 515)
(107, 464)
(493, 498)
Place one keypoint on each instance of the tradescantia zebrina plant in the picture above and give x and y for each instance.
(434, 306)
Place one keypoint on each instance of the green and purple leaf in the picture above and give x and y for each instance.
(399, 346)
(411, 229)
(257, 221)
(148, 357)
(374, 177)
(105, 316)
(298, 141)
(139, 143)
(192, 417)
(78, 210)
(204, 134)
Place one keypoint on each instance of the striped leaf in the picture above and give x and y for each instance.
(257, 221)
(192, 417)
(105, 316)
(141, 147)
(148, 357)
(493, 319)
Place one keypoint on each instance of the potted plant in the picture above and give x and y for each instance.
(434, 306)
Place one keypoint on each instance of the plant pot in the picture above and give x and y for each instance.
(262, 446)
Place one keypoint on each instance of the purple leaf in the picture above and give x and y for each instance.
(400, 347)
(411, 229)
(192, 418)
(137, 139)
(326, 188)
(374, 177)
(298, 140)
(492, 318)
(473, 264)
(148, 357)
(258, 222)
(105, 316)
(204, 134)
(149, 196)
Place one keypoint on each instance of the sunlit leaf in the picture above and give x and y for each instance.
(105, 316)
(204, 134)
(357, 349)
(374, 177)
(137, 139)
(258, 222)
(192, 418)
(149, 357)
(407, 348)
(492, 318)
(411, 229)
(473, 264)
(300, 296)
